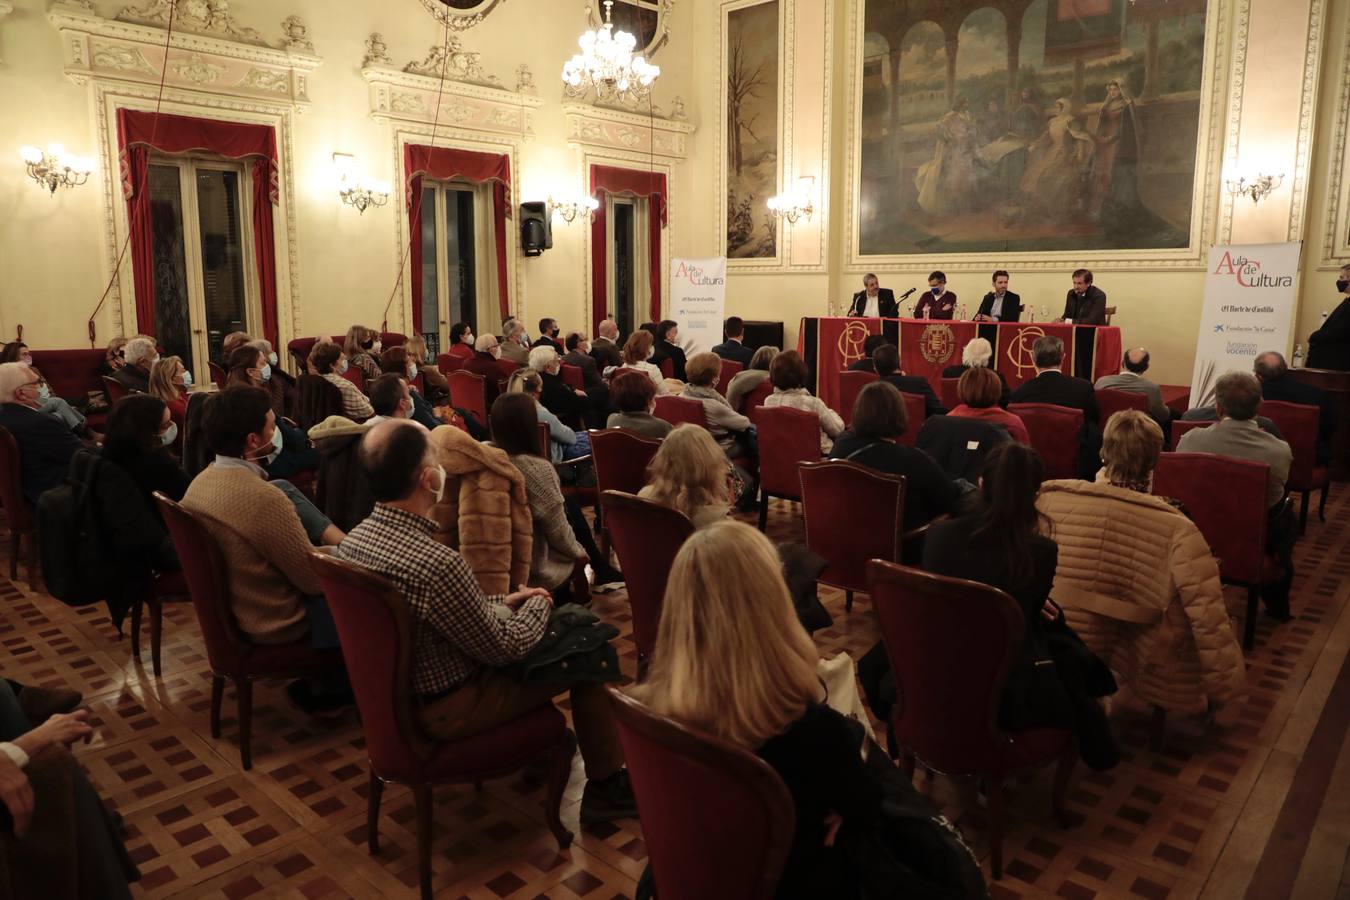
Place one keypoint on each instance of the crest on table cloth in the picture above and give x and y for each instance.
(1020, 349)
(937, 344)
(851, 342)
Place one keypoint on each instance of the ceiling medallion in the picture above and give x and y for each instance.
(460, 15)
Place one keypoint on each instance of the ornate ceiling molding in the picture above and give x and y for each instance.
(468, 104)
(212, 53)
(459, 17)
(627, 132)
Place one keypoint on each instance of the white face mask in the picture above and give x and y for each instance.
(342, 367)
(439, 490)
(376, 347)
(187, 379)
(412, 371)
(170, 434)
(266, 459)
(265, 373)
(272, 358)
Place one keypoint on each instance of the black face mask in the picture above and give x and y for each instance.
(554, 332)
(1342, 284)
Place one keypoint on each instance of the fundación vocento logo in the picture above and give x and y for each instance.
(1248, 274)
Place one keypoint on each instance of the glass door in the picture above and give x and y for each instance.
(451, 255)
(623, 244)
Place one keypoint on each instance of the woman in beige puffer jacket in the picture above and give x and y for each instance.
(1139, 585)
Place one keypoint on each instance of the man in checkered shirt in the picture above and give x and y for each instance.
(461, 636)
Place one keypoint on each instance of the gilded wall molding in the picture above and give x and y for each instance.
(410, 97)
(1238, 80)
(1312, 56)
(628, 134)
(1336, 243)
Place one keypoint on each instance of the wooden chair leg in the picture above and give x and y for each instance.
(1063, 772)
(244, 688)
(15, 541)
(32, 561)
(848, 601)
(993, 791)
(156, 633)
(1303, 512)
(559, 770)
(217, 694)
(763, 510)
(1322, 503)
(422, 797)
(1157, 731)
(373, 813)
(136, 629)
(1249, 626)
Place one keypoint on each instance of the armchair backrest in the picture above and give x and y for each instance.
(1111, 401)
(730, 368)
(71, 373)
(916, 411)
(679, 410)
(646, 536)
(787, 437)
(1056, 434)
(1233, 520)
(1298, 423)
(317, 398)
(1181, 426)
(621, 459)
(469, 391)
(17, 510)
(853, 514)
(850, 386)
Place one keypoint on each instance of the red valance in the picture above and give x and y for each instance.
(631, 183)
(625, 183)
(179, 135)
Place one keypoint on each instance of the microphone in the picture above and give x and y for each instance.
(907, 293)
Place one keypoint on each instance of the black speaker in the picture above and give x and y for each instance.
(536, 232)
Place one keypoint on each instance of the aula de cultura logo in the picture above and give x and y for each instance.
(1248, 274)
(695, 274)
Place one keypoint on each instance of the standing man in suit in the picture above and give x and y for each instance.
(1000, 304)
(1085, 303)
(938, 303)
(46, 444)
(732, 348)
(1329, 346)
(1052, 386)
(874, 301)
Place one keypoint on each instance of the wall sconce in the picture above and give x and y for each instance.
(1256, 188)
(54, 168)
(571, 210)
(356, 191)
(794, 205)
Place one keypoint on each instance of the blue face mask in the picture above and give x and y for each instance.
(937, 292)
(265, 373)
(187, 379)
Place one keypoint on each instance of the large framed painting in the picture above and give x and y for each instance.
(1031, 126)
(751, 52)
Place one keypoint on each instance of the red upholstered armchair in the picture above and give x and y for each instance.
(114, 389)
(755, 399)
(1056, 434)
(787, 437)
(850, 386)
(1110, 402)
(621, 458)
(729, 369)
(1233, 520)
(1181, 426)
(1298, 423)
(448, 363)
(218, 375)
(646, 537)
(947, 392)
(300, 347)
(469, 391)
(73, 374)
(916, 410)
(376, 631)
(19, 515)
(717, 820)
(571, 376)
(853, 514)
(228, 650)
(680, 410)
(667, 368)
(951, 643)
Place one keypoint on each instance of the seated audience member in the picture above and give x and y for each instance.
(634, 395)
(689, 474)
(169, 381)
(1052, 386)
(637, 353)
(566, 443)
(732, 660)
(788, 374)
(561, 535)
(568, 404)
(327, 359)
(1000, 543)
(879, 419)
(978, 353)
(733, 432)
(869, 347)
(579, 355)
(979, 390)
(230, 343)
(667, 333)
(733, 347)
(1273, 373)
(548, 336)
(1120, 544)
(461, 341)
(292, 453)
(463, 636)
(395, 361)
(1131, 379)
(140, 432)
(61, 840)
(391, 398)
(746, 380)
(17, 351)
(141, 356)
(487, 351)
(45, 444)
(514, 343)
(274, 593)
(607, 333)
(114, 358)
(433, 379)
(362, 348)
(886, 363)
(342, 491)
(279, 383)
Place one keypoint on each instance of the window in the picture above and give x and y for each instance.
(629, 286)
(454, 287)
(204, 276)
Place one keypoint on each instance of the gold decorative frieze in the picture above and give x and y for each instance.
(415, 96)
(628, 132)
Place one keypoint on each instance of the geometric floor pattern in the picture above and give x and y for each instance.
(1191, 820)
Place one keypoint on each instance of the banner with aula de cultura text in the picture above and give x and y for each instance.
(698, 293)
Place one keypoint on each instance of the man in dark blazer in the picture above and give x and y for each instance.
(1085, 304)
(1000, 304)
(887, 363)
(874, 301)
(46, 444)
(732, 348)
(667, 333)
(870, 345)
(1052, 386)
(579, 355)
(1329, 346)
(548, 336)
(1271, 370)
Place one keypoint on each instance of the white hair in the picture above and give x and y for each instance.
(138, 349)
(13, 375)
(608, 325)
(542, 357)
(977, 353)
(485, 342)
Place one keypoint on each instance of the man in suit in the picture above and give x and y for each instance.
(607, 333)
(548, 336)
(667, 333)
(141, 355)
(515, 346)
(938, 303)
(46, 444)
(579, 355)
(870, 345)
(1131, 379)
(1052, 386)
(1329, 346)
(887, 363)
(1085, 304)
(1271, 370)
(1000, 304)
(874, 301)
(732, 348)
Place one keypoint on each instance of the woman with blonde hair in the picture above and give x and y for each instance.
(689, 473)
(751, 377)
(637, 350)
(437, 388)
(114, 357)
(732, 660)
(169, 381)
(1131, 446)
(362, 346)
(564, 442)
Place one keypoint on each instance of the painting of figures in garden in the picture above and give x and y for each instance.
(1029, 125)
(752, 129)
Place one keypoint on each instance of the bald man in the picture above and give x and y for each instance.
(1131, 379)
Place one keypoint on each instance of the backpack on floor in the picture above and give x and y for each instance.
(74, 561)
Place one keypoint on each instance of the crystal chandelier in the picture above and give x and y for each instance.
(607, 64)
(55, 168)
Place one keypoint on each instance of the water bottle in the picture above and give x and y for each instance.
(1031, 311)
(1297, 362)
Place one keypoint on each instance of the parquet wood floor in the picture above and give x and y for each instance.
(1192, 820)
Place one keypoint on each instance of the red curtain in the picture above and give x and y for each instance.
(140, 132)
(626, 183)
(443, 163)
